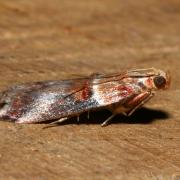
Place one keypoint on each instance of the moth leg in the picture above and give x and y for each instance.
(78, 118)
(130, 106)
(59, 120)
(88, 115)
(54, 123)
(106, 122)
(142, 98)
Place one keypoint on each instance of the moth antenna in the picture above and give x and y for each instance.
(106, 122)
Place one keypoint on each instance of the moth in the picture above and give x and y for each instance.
(62, 99)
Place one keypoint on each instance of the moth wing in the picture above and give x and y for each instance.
(41, 101)
(52, 100)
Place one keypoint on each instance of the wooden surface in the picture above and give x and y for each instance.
(54, 39)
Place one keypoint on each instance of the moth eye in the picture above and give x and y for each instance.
(159, 81)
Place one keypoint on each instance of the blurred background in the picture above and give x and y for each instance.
(53, 39)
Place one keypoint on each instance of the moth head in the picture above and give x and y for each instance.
(159, 80)
(155, 79)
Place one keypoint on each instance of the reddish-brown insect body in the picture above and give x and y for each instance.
(59, 100)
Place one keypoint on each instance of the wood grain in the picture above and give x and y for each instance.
(52, 39)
